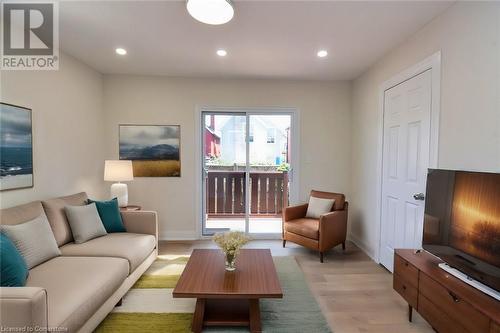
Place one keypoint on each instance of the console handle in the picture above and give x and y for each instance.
(454, 297)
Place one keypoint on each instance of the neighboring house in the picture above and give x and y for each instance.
(268, 143)
(212, 140)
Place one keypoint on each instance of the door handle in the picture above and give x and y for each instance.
(419, 196)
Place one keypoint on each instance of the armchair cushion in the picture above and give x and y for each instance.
(338, 197)
(318, 207)
(304, 227)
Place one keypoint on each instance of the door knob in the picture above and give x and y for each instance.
(419, 196)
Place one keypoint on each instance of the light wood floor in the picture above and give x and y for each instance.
(354, 293)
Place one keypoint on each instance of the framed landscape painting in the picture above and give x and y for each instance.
(153, 149)
(16, 147)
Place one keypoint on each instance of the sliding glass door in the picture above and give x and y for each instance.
(246, 171)
(225, 161)
(268, 165)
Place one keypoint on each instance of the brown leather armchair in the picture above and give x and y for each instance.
(321, 235)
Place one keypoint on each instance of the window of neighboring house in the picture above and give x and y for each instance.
(271, 133)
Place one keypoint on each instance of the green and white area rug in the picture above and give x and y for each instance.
(150, 307)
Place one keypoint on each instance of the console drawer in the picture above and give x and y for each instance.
(456, 309)
(406, 271)
(439, 320)
(409, 292)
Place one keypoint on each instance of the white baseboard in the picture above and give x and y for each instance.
(178, 235)
(362, 245)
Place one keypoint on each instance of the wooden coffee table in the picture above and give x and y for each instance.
(228, 298)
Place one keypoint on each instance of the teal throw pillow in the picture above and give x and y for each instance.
(14, 270)
(109, 212)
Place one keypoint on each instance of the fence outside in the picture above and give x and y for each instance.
(226, 193)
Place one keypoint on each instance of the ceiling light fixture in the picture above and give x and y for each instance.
(213, 12)
(322, 53)
(121, 51)
(221, 53)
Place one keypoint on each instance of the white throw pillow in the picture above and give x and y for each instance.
(318, 207)
(85, 222)
(34, 240)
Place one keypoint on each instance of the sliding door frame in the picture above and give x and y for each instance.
(247, 111)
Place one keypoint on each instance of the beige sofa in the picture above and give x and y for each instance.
(75, 291)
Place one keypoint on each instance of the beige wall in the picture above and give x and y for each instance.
(76, 113)
(67, 129)
(468, 35)
(325, 133)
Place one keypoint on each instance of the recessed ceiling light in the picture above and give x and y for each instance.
(211, 11)
(221, 53)
(121, 51)
(322, 53)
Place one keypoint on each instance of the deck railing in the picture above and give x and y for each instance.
(226, 193)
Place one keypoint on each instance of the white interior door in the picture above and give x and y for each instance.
(406, 147)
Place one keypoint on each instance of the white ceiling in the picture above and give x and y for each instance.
(265, 39)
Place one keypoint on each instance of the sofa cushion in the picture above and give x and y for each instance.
(305, 227)
(21, 213)
(85, 222)
(133, 247)
(34, 240)
(77, 287)
(13, 268)
(110, 215)
(54, 209)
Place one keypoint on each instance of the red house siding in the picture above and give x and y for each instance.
(212, 144)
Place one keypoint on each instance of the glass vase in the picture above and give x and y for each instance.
(230, 262)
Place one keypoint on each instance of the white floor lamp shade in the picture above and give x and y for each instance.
(119, 171)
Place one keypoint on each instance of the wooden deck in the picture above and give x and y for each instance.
(257, 225)
(226, 193)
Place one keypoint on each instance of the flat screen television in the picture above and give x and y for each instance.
(462, 222)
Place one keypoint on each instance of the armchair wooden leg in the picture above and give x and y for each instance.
(343, 246)
(321, 257)
(284, 242)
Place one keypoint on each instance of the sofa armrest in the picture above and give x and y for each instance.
(332, 229)
(294, 212)
(23, 308)
(141, 222)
